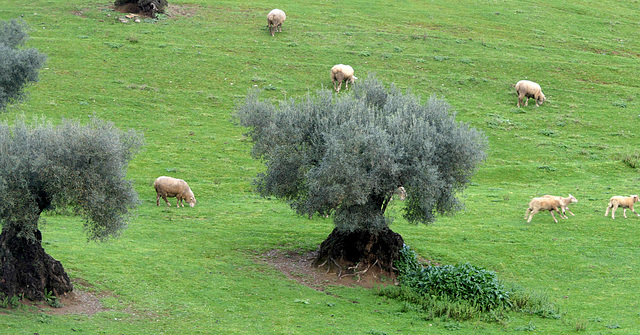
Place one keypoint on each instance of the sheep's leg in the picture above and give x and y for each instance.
(613, 212)
(570, 212)
(553, 216)
(533, 212)
(339, 86)
(562, 214)
(164, 197)
(607, 211)
(624, 212)
(634, 212)
(158, 199)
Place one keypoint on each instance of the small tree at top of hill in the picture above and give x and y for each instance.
(17, 66)
(45, 167)
(345, 155)
(148, 7)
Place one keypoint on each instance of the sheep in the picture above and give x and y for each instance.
(274, 21)
(564, 203)
(528, 89)
(340, 73)
(401, 192)
(543, 204)
(172, 187)
(624, 202)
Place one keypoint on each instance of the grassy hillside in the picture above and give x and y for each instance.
(178, 79)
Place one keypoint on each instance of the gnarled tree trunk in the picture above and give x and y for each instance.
(359, 250)
(27, 270)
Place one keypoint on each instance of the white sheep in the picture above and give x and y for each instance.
(401, 192)
(172, 187)
(543, 204)
(340, 73)
(624, 202)
(527, 89)
(564, 203)
(274, 20)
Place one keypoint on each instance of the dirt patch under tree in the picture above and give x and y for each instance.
(298, 266)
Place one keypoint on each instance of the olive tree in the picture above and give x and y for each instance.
(70, 166)
(346, 155)
(18, 66)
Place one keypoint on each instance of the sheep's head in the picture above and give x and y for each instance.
(635, 198)
(353, 79)
(541, 99)
(572, 198)
(192, 201)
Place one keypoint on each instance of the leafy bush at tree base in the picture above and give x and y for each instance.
(461, 292)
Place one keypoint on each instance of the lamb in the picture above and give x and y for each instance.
(274, 20)
(564, 203)
(543, 204)
(528, 89)
(340, 73)
(172, 187)
(624, 202)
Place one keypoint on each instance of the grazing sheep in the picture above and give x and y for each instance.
(624, 202)
(274, 20)
(172, 187)
(543, 204)
(528, 89)
(340, 73)
(401, 192)
(564, 203)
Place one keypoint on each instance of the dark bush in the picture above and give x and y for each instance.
(149, 7)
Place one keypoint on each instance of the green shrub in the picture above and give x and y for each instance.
(407, 261)
(464, 282)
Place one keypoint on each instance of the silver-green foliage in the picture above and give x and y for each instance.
(346, 154)
(18, 66)
(70, 165)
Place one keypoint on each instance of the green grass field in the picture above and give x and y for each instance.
(178, 80)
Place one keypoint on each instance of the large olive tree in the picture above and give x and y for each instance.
(345, 156)
(44, 167)
(18, 66)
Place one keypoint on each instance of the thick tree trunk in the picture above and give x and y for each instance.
(359, 250)
(27, 270)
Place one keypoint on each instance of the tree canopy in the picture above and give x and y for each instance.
(79, 167)
(18, 66)
(346, 154)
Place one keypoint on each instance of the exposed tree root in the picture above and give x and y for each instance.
(355, 253)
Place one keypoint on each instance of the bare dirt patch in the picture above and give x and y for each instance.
(182, 10)
(75, 302)
(298, 266)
